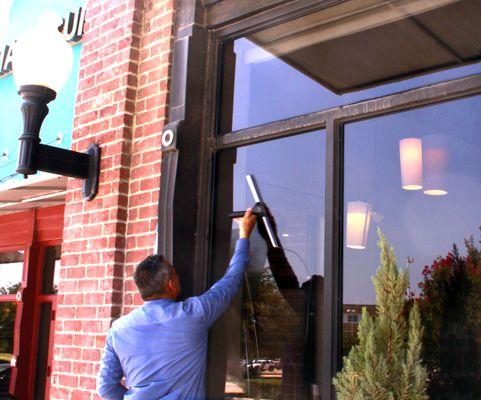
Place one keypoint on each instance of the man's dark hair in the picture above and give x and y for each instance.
(152, 275)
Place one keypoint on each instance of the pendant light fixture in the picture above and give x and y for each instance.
(411, 157)
(436, 159)
(358, 221)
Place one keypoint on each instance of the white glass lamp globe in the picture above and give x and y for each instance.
(41, 56)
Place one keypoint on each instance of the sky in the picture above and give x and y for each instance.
(11, 273)
(5, 6)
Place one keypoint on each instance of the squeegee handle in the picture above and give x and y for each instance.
(240, 214)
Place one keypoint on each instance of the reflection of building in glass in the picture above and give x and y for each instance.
(351, 317)
(274, 341)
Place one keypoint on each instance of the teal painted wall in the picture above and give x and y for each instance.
(23, 14)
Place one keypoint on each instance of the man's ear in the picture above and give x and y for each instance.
(171, 285)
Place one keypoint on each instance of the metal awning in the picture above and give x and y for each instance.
(37, 191)
(363, 43)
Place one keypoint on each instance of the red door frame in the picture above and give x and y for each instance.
(31, 231)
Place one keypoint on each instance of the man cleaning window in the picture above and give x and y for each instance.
(160, 348)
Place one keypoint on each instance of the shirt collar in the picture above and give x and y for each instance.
(158, 302)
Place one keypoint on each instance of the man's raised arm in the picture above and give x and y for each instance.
(218, 297)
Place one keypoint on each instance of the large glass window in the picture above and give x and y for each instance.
(353, 51)
(11, 270)
(7, 324)
(267, 346)
(51, 270)
(417, 176)
(46, 310)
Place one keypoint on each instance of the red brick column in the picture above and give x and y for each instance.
(150, 118)
(121, 105)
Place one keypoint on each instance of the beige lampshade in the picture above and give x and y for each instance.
(411, 157)
(358, 220)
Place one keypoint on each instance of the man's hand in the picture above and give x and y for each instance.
(246, 224)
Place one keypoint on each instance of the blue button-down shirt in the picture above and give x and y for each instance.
(160, 348)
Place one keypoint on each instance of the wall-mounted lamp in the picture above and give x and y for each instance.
(42, 61)
(411, 156)
(358, 221)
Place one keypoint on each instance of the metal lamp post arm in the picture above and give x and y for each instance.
(34, 156)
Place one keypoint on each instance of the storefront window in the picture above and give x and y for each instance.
(268, 343)
(346, 53)
(416, 175)
(51, 270)
(11, 269)
(7, 324)
(45, 324)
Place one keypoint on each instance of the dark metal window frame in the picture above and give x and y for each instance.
(184, 234)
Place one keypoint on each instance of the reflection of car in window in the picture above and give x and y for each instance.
(255, 367)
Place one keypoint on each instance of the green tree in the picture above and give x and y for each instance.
(386, 363)
(450, 306)
(7, 320)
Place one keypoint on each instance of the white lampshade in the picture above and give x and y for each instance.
(435, 170)
(41, 56)
(358, 221)
(411, 156)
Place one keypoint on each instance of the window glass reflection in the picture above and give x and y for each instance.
(11, 269)
(45, 322)
(349, 52)
(51, 270)
(266, 344)
(417, 176)
(7, 324)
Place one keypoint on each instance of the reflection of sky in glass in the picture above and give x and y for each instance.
(290, 174)
(420, 227)
(10, 274)
(268, 90)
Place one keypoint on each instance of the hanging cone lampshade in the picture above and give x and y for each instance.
(436, 159)
(411, 157)
(358, 220)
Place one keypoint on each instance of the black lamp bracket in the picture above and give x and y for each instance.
(34, 156)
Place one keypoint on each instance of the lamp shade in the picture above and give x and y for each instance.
(411, 157)
(436, 160)
(358, 221)
(41, 56)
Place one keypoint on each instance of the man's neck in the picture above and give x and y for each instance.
(160, 297)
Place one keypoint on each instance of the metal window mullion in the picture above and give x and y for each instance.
(412, 98)
(333, 213)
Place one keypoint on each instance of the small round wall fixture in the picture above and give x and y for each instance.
(42, 63)
(167, 138)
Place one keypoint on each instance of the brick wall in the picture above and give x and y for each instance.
(121, 104)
